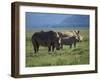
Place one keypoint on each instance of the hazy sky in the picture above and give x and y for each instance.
(37, 20)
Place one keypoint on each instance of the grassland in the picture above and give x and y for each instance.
(66, 56)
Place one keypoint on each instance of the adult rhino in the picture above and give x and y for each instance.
(75, 33)
(50, 39)
(70, 38)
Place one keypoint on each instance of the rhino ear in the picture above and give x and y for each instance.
(60, 34)
(74, 32)
(78, 31)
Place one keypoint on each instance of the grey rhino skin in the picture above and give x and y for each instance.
(49, 39)
(70, 38)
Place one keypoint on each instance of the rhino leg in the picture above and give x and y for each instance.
(70, 45)
(35, 48)
(53, 47)
(61, 46)
(74, 44)
(49, 48)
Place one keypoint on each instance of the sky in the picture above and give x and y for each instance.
(51, 20)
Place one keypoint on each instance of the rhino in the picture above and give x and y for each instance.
(48, 39)
(70, 38)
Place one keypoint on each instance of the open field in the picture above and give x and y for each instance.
(66, 56)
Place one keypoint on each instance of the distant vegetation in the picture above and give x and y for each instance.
(66, 56)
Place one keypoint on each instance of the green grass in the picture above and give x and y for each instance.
(66, 56)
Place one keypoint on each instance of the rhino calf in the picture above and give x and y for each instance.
(69, 41)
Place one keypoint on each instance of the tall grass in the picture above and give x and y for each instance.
(66, 56)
